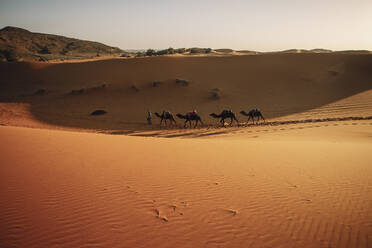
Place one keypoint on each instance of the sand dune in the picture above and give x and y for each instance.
(292, 188)
(301, 179)
(325, 85)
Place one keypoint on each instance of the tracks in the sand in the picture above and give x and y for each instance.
(211, 130)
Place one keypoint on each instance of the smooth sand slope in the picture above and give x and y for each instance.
(295, 188)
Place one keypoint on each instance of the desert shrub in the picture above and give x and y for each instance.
(98, 112)
(171, 51)
(150, 52)
(40, 92)
(78, 92)
(195, 50)
(180, 50)
(182, 82)
(134, 87)
(215, 93)
(166, 51)
(155, 84)
(162, 52)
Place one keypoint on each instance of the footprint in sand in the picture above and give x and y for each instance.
(163, 218)
(177, 209)
(231, 211)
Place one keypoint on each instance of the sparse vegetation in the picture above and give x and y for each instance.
(197, 50)
(40, 92)
(98, 112)
(215, 93)
(150, 52)
(78, 92)
(181, 50)
(182, 82)
(155, 84)
(134, 87)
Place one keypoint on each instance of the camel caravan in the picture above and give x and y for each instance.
(193, 119)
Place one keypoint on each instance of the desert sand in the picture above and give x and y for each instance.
(302, 179)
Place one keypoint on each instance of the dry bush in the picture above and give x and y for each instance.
(182, 82)
(134, 87)
(215, 93)
(156, 84)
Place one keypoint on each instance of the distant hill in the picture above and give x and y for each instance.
(17, 44)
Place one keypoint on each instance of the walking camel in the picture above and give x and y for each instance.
(252, 114)
(189, 117)
(224, 115)
(166, 116)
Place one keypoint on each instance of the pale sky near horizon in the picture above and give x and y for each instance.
(261, 25)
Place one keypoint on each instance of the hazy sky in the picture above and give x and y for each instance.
(263, 25)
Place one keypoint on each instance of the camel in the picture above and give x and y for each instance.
(189, 117)
(252, 114)
(224, 115)
(166, 116)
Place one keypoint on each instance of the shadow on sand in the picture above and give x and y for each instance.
(279, 84)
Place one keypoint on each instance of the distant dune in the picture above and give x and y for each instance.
(307, 85)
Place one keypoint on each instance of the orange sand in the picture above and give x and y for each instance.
(71, 189)
(65, 182)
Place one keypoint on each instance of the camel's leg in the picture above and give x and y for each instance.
(196, 123)
(236, 121)
(232, 119)
(161, 121)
